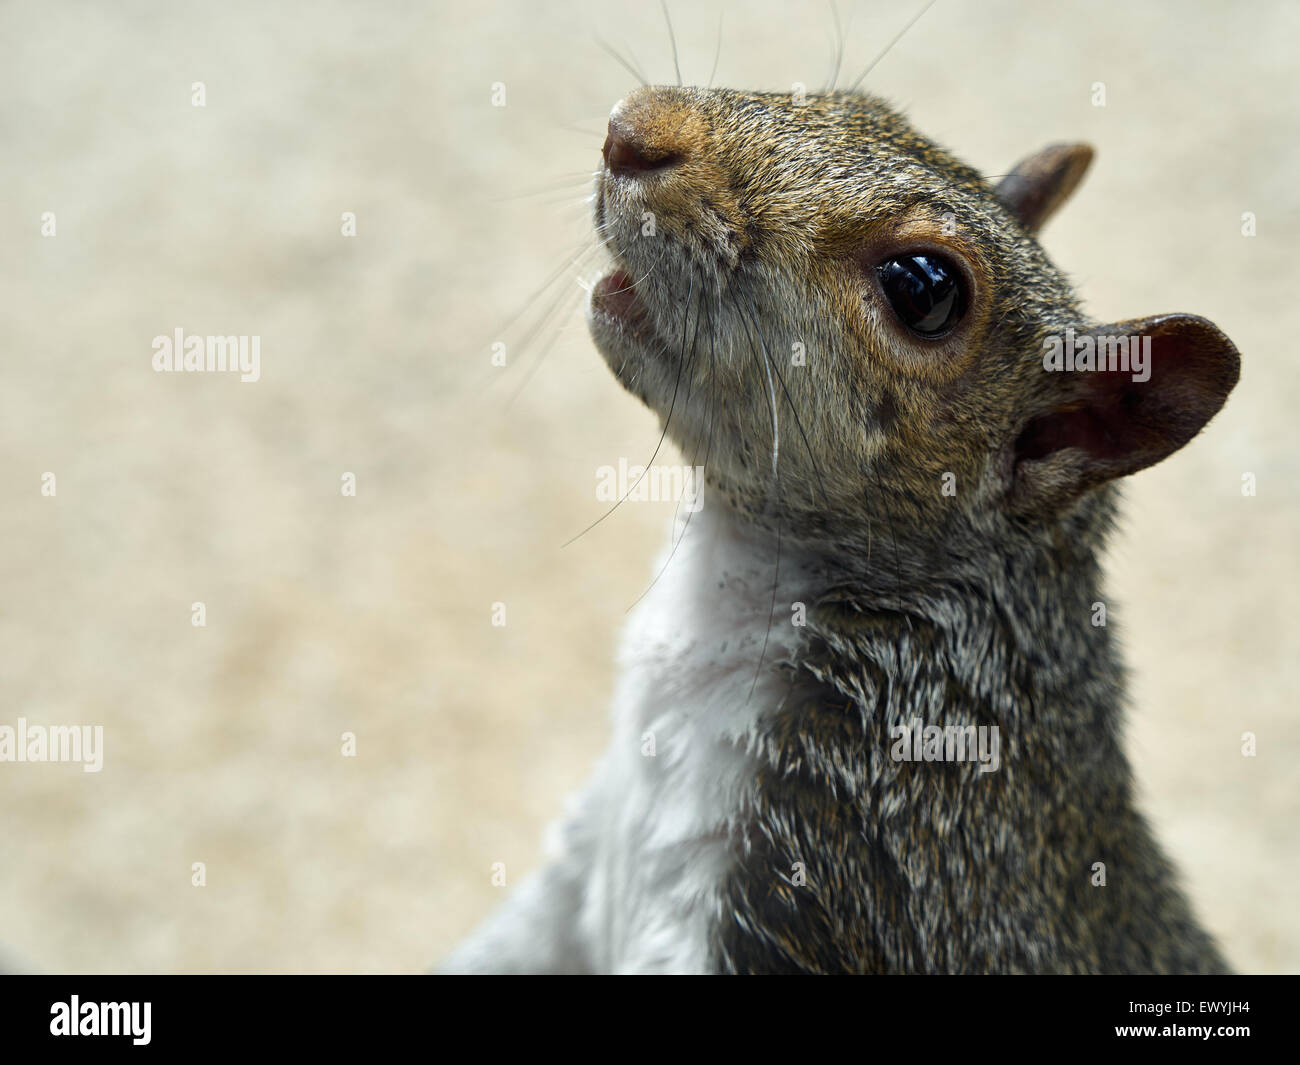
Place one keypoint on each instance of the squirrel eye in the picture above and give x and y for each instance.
(925, 292)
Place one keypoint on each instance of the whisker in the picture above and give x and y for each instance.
(897, 37)
(771, 613)
(812, 457)
(653, 267)
(717, 51)
(662, 436)
(673, 39)
(620, 60)
(488, 376)
(531, 372)
(771, 389)
(570, 260)
(576, 182)
(583, 131)
(555, 312)
(636, 62)
(839, 45)
(686, 524)
(774, 488)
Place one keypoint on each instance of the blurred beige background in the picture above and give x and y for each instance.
(371, 614)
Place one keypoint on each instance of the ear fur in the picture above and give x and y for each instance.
(1042, 182)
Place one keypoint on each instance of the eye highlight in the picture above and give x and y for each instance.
(925, 291)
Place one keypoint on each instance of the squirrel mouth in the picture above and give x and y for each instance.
(614, 297)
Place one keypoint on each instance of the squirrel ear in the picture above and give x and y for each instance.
(1040, 184)
(1126, 396)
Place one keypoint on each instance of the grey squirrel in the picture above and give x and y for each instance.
(866, 721)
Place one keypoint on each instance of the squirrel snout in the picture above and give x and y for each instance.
(627, 155)
(649, 131)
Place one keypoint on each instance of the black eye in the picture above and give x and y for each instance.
(925, 292)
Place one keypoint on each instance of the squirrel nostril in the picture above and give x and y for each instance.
(626, 155)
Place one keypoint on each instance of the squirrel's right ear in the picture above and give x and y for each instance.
(1040, 184)
(1126, 396)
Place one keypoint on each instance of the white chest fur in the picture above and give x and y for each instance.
(637, 865)
(690, 696)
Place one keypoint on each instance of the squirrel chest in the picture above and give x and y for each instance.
(700, 670)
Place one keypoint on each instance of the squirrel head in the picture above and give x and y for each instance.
(858, 334)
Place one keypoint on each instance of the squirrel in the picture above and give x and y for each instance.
(912, 437)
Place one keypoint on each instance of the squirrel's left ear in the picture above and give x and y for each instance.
(1040, 184)
(1172, 374)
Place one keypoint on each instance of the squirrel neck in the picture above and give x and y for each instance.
(994, 588)
(920, 858)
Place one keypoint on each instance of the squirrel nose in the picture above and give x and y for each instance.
(627, 154)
